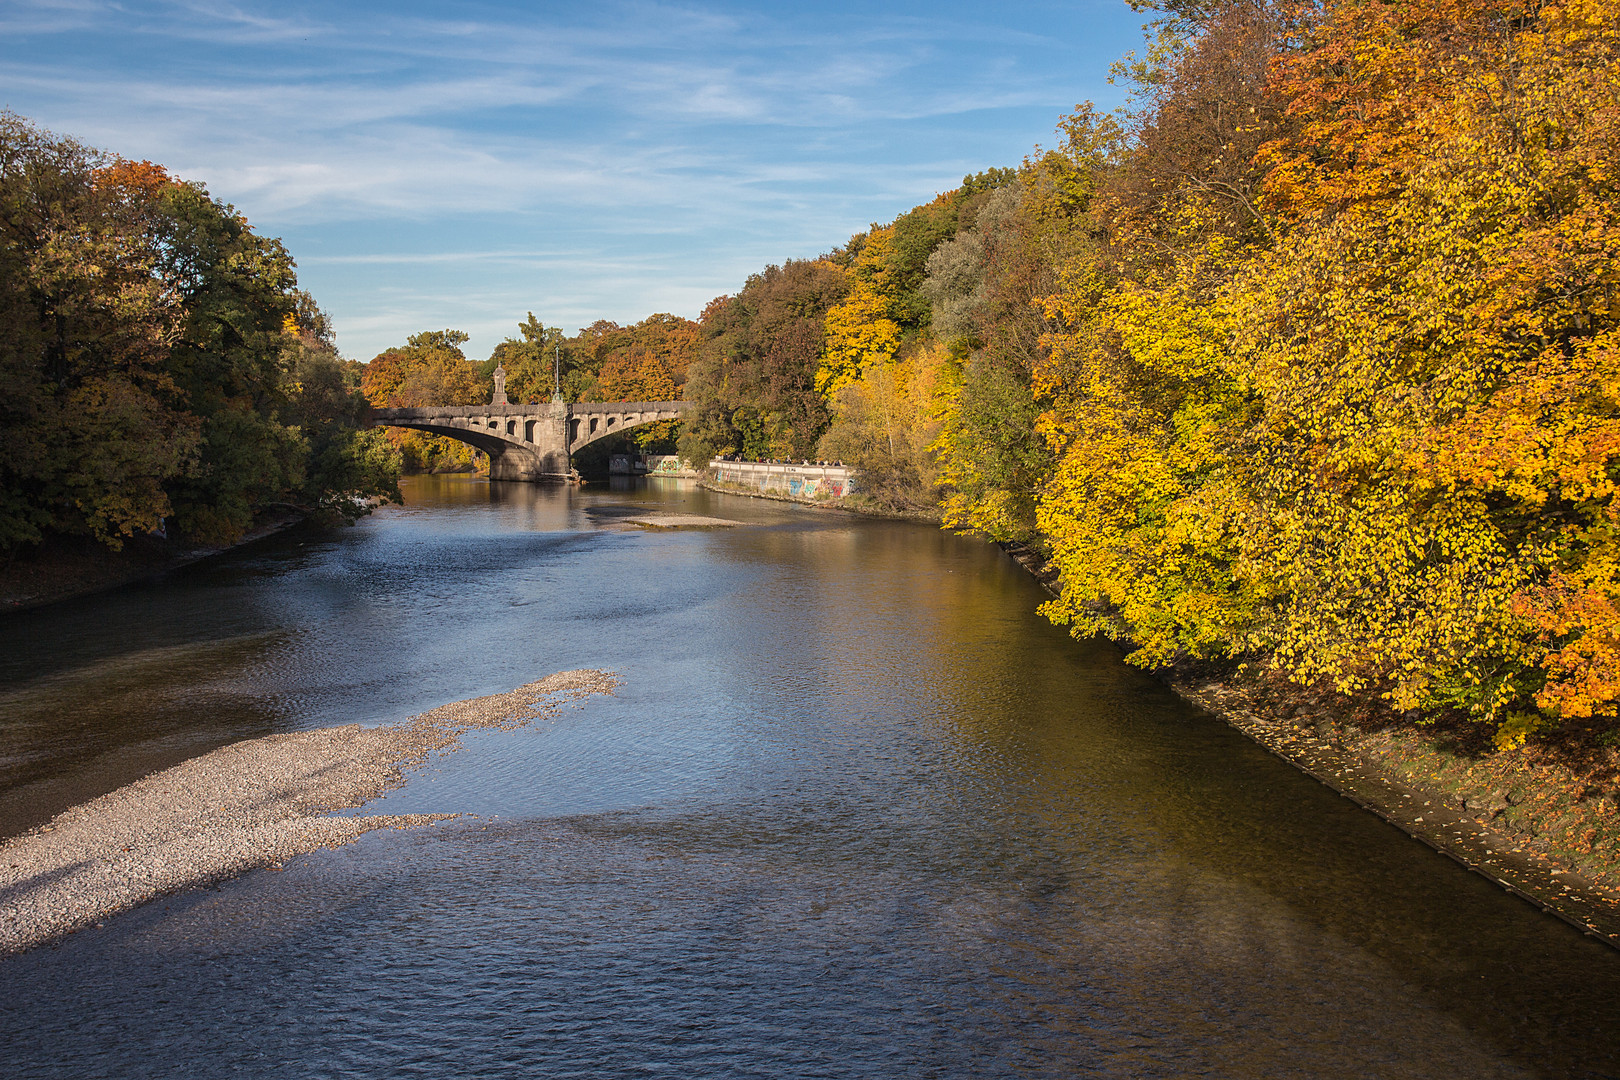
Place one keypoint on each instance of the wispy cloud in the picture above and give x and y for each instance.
(518, 140)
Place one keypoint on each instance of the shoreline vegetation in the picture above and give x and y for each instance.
(243, 807)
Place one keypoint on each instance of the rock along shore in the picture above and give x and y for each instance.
(248, 805)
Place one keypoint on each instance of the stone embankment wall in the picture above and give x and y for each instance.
(811, 483)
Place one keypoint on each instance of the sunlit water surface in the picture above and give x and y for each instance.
(855, 811)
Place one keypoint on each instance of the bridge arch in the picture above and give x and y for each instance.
(510, 458)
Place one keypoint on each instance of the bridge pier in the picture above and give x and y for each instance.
(517, 463)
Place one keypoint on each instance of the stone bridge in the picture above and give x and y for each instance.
(531, 442)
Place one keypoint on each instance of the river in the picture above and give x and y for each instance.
(854, 811)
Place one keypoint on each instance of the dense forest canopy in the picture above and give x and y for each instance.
(158, 365)
(1309, 357)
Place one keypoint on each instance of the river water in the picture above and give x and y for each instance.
(855, 810)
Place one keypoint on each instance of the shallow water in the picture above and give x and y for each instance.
(855, 811)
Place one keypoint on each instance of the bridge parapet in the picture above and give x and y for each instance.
(471, 410)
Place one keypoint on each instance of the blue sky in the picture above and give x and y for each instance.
(437, 165)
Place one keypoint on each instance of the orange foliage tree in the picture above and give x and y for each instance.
(645, 362)
(430, 369)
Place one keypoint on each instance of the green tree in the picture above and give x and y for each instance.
(92, 424)
(530, 360)
(350, 466)
(755, 380)
(237, 289)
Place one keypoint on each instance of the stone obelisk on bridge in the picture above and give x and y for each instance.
(534, 442)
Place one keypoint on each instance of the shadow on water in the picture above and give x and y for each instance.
(69, 735)
(855, 811)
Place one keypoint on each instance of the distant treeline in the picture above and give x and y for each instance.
(603, 362)
(160, 371)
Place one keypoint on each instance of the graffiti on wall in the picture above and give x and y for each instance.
(649, 465)
(808, 482)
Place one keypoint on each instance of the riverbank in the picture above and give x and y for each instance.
(79, 566)
(853, 504)
(245, 806)
(1542, 821)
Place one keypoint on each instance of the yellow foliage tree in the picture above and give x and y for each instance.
(885, 422)
(1373, 430)
(859, 330)
(1434, 340)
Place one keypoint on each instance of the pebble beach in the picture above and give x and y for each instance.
(242, 807)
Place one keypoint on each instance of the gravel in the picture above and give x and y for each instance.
(248, 805)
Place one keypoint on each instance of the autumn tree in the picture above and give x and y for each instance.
(647, 361)
(430, 369)
(755, 380)
(142, 334)
(992, 461)
(888, 368)
(860, 330)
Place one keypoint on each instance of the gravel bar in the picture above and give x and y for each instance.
(248, 805)
(668, 520)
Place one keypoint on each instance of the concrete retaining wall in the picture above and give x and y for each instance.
(811, 482)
